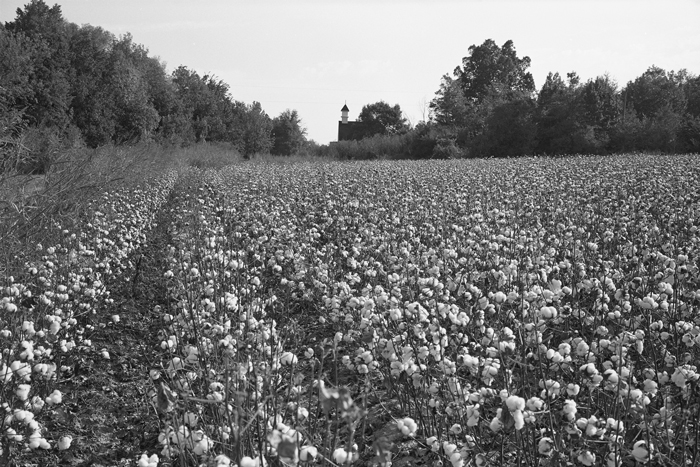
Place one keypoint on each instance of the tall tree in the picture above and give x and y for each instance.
(561, 127)
(488, 66)
(654, 90)
(489, 77)
(252, 130)
(655, 105)
(383, 119)
(287, 133)
(92, 103)
(135, 116)
(45, 27)
(601, 105)
(689, 133)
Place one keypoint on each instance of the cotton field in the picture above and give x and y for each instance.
(463, 313)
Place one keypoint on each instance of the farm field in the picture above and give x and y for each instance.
(528, 311)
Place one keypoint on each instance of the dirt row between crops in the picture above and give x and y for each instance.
(106, 407)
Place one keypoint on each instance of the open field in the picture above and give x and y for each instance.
(467, 313)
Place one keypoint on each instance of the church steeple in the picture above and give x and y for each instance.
(344, 113)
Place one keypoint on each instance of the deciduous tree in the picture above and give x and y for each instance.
(288, 134)
(381, 118)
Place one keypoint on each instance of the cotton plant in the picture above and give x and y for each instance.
(59, 296)
(498, 311)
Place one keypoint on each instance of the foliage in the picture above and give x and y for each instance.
(66, 80)
(287, 133)
(381, 119)
(490, 77)
(509, 131)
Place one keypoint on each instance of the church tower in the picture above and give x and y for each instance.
(346, 129)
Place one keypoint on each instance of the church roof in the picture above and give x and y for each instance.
(345, 108)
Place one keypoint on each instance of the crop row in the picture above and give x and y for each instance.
(62, 295)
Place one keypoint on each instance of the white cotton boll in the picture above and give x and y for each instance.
(569, 409)
(302, 413)
(5, 373)
(641, 452)
(222, 460)
(545, 446)
(288, 358)
(202, 446)
(495, 424)
(433, 443)
(449, 448)
(340, 456)
(146, 461)
(535, 403)
(54, 398)
(20, 415)
(407, 426)
(22, 391)
(586, 458)
(21, 370)
(64, 442)
(515, 403)
(308, 453)
(456, 460)
(519, 419)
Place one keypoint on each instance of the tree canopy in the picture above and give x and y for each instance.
(66, 79)
(381, 118)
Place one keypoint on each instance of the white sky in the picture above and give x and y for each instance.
(314, 55)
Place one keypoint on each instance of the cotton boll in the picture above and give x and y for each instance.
(64, 442)
(641, 452)
(449, 448)
(146, 461)
(587, 458)
(54, 398)
(515, 403)
(496, 424)
(308, 453)
(545, 446)
(519, 419)
(22, 391)
(340, 456)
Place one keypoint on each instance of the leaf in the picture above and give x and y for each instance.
(165, 397)
(506, 418)
(287, 449)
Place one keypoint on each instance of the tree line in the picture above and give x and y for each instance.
(64, 82)
(489, 106)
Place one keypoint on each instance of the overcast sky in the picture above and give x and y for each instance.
(315, 55)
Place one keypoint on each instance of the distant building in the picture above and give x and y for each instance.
(347, 130)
